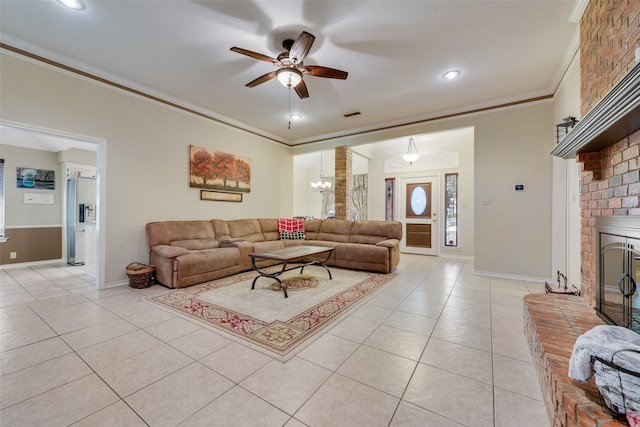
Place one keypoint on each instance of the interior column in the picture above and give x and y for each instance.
(343, 182)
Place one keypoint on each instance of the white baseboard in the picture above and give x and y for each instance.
(511, 276)
(453, 256)
(116, 284)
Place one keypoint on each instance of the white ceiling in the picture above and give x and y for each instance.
(395, 53)
(41, 141)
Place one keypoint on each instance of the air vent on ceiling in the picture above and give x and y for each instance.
(352, 114)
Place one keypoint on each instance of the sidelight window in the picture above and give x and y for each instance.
(451, 209)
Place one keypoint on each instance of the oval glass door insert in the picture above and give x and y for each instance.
(418, 201)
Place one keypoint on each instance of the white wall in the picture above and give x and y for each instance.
(464, 147)
(512, 236)
(17, 213)
(566, 198)
(147, 149)
(513, 233)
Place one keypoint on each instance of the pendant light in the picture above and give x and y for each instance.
(412, 153)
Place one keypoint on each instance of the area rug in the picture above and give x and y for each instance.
(263, 318)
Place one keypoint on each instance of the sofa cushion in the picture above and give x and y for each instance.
(221, 229)
(168, 251)
(372, 232)
(197, 262)
(362, 256)
(336, 230)
(311, 228)
(269, 227)
(165, 232)
(196, 244)
(248, 229)
(267, 246)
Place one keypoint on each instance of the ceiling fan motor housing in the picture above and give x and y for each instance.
(286, 44)
(290, 67)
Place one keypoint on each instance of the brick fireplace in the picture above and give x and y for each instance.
(606, 144)
(609, 185)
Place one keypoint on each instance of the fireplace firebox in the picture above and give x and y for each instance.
(618, 270)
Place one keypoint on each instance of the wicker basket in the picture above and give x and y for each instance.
(619, 395)
(140, 275)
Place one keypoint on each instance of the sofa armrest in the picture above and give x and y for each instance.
(389, 243)
(168, 251)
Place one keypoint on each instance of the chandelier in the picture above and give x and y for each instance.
(321, 184)
(412, 153)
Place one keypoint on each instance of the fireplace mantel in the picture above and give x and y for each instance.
(613, 118)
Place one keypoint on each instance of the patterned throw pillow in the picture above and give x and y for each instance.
(292, 235)
(290, 224)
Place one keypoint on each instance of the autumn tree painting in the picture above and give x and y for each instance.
(216, 170)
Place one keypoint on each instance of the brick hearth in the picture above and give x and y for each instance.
(553, 322)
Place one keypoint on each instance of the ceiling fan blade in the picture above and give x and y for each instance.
(261, 79)
(301, 90)
(255, 55)
(301, 47)
(318, 71)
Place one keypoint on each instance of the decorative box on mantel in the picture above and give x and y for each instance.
(613, 118)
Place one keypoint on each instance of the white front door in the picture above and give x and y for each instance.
(418, 209)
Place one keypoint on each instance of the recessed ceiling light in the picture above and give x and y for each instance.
(295, 116)
(450, 75)
(72, 4)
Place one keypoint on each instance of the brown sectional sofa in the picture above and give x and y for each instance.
(185, 253)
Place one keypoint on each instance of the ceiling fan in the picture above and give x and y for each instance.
(289, 65)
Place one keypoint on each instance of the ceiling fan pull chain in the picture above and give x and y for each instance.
(289, 107)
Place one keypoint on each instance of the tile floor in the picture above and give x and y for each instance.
(440, 346)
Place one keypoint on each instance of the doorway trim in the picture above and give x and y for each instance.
(101, 169)
(435, 211)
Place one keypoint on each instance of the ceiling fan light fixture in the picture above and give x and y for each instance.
(450, 75)
(295, 116)
(289, 77)
(72, 4)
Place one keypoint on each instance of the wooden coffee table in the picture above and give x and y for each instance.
(285, 256)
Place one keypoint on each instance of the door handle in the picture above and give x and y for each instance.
(633, 285)
(633, 288)
(620, 280)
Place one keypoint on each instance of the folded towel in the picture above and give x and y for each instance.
(603, 341)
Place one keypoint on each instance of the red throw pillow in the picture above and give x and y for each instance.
(290, 224)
